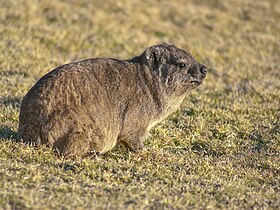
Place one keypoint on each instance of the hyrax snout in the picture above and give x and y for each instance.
(93, 104)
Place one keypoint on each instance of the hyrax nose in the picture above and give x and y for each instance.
(203, 69)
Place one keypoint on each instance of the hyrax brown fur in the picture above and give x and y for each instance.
(93, 104)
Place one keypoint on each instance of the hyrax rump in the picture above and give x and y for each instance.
(93, 104)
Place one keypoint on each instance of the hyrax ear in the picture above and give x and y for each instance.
(153, 57)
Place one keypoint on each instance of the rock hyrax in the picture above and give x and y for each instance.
(94, 104)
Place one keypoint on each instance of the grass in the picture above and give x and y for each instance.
(220, 151)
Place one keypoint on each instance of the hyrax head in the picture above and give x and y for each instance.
(174, 67)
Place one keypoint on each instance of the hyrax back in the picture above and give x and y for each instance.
(91, 105)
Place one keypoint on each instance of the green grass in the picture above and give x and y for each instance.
(221, 150)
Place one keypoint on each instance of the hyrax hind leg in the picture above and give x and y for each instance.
(73, 145)
(71, 133)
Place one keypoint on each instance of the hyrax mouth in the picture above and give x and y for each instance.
(196, 82)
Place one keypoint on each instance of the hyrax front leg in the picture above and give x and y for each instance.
(135, 142)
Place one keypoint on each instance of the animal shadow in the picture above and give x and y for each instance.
(8, 133)
(9, 101)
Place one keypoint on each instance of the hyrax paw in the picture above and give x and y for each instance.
(136, 147)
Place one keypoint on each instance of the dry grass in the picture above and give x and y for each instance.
(220, 151)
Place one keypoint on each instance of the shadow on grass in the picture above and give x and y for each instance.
(205, 149)
(9, 73)
(14, 102)
(7, 133)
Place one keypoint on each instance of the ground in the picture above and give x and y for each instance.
(220, 151)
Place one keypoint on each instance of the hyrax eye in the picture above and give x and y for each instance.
(182, 65)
